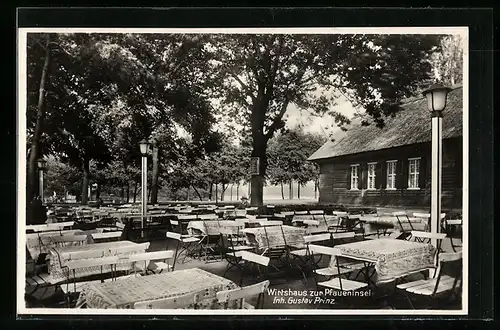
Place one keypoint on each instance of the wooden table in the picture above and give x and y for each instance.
(125, 293)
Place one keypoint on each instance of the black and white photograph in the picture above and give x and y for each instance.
(243, 171)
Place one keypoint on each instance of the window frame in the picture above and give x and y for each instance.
(417, 181)
(374, 176)
(357, 176)
(393, 175)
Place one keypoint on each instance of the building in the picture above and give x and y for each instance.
(391, 166)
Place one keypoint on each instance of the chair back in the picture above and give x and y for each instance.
(319, 249)
(107, 235)
(347, 234)
(130, 249)
(84, 263)
(62, 240)
(449, 274)
(316, 212)
(253, 257)
(89, 254)
(185, 301)
(301, 212)
(173, 235)
(224, 297)
(317, 238)
(268, 223)
(208, 217)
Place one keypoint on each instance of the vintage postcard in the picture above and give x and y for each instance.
(318, 171)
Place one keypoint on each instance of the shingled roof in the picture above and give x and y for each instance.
(411, 125)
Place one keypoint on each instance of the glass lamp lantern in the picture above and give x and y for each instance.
(144, 146)
(436, 97)
(42, 164)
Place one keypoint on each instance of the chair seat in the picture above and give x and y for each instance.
(40, 279)
(332, 271)
(76, 288)
(352, 264)
(241, 247)
(190, 239)
(347, 285)
(299, 253)
(236, 254)
(247, 306)
(159, 266)
(405, 286)
(427, 288)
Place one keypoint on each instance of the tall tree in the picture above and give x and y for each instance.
(448, 61)
(259, 76)
(36, 43)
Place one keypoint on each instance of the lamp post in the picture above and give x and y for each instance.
(41, 166)
(144, 146)
(436, 102)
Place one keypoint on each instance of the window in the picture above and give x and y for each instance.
(413, 173)
(391, 174)
(371, 175)
(354, 176)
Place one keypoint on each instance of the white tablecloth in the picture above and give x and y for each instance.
(59, 257)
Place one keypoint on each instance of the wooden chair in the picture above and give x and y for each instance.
(209, 242)
(185, 301)
(335, 273)
(303, 256)
(402, 216)
(234, 246)
(224, 297)
(453, 230)
(151, 263)
(249, 259)
(426, 218)
(184, 245)
(448, 281)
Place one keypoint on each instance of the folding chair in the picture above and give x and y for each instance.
(304, 257)
(259, 289)
(426, 237)
(184, 245)
(249, 259)
(441, 285)
(151, 263)
(335, 272)
(426, 218)
(185, 301)
(211, 239)
(319, 215)
(453, 230)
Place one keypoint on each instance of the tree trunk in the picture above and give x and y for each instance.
(154, 181)
(257, 181)
(122, 193)
(216, 193)
(315, 189)
(210, 192)
(231, 191)
(35, 144)
(238, 191)
(290, 190)
(85, 183)
(128, 192)
(149, 194)
(298, 190)
(197, 193)
(187, 194)
(135, 191)
(282, 192)
(224, 188)
(98, 191)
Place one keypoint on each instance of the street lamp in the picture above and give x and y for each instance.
(41, 166)
(436, 102)
(144, 147)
